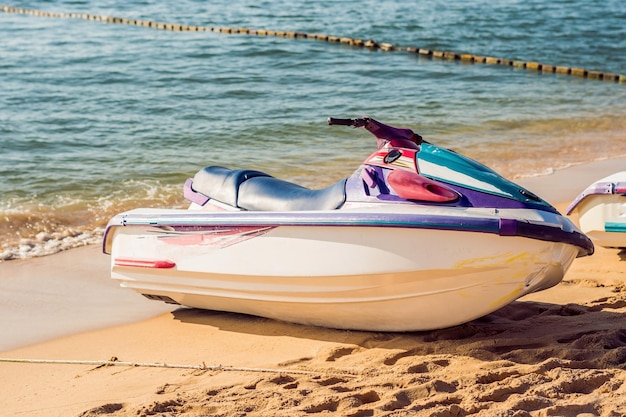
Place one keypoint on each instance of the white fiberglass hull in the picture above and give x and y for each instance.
(603, 219)
(356, 277)
(601, 210)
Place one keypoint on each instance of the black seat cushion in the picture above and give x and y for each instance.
(256, 190)
(222, 184)
(271, 194)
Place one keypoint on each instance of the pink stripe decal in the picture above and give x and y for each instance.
(220, 237)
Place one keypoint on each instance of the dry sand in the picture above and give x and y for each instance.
(560, 352)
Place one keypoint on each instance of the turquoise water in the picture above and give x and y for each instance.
(97, 118)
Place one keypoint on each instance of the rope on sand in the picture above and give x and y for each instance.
(387, 47)
(203, 367)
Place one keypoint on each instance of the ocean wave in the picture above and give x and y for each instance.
(50, 243)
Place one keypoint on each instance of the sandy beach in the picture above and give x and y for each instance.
(74, 344)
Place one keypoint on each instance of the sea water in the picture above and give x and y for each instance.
(98, 118)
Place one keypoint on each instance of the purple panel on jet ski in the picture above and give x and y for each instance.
(483, 199)
(192, 195)
(358, 190)
(508, 227)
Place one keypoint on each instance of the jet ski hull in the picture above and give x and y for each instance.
(362, 271)
(601, 210)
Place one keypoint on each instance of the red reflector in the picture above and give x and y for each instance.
(145, 263)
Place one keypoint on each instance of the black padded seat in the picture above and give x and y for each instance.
(271, 194)
(255, 190)
(222, 184)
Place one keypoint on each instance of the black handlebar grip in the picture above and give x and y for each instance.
(341, 122)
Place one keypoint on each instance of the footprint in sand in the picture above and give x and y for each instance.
(613, 303)
(338, 352)
(428, 366)
(102, 410)
(427, 395)
(345, 404)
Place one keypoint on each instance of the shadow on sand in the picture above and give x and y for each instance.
(524, 332)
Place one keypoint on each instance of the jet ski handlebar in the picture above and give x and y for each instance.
(385, 134)
(347, 122)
